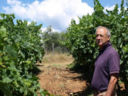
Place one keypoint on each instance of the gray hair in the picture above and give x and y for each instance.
(108, 31)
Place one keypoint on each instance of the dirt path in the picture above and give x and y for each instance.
(58, 80)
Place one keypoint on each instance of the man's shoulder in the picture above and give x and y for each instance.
(112, 51)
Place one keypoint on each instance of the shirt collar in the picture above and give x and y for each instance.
(105, 46)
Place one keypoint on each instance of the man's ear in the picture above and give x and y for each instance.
(109, 38)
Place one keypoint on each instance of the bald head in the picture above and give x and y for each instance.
(105, 28)
(102, 36)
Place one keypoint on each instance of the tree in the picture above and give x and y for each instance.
(53, 41)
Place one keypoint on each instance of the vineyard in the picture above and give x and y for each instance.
(23, 45)
(20, 49)
(81, 39)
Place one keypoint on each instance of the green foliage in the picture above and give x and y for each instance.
(20, 49)
(80, 41)
(53, 41)
(81, 38)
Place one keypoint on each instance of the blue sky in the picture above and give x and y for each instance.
(57, 13)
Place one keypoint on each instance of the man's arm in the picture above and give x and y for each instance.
(111, 85)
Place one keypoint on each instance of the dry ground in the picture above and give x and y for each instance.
(56, 78)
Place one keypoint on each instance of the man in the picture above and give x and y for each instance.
(107, 65)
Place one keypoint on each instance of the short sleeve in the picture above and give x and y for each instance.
(114, 63)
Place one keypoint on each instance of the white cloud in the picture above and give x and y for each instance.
(110, 8)
(57, 13)
(44, 29)
(13, 2)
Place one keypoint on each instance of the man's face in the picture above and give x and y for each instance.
(101, 37)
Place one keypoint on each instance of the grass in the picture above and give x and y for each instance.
(57, 59)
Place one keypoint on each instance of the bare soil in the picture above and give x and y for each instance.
(56, 78)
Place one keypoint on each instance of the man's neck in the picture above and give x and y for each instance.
(102, 47)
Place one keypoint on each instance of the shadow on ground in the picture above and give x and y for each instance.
(86, 92)
(87, 75)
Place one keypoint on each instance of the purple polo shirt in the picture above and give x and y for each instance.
(107, 62)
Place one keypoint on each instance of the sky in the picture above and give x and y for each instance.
(55, 13)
